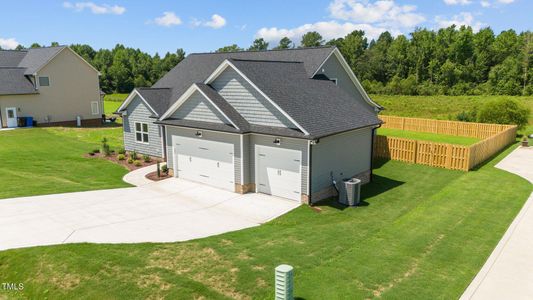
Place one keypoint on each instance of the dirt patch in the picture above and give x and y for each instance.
(244, 255)
(258, 268)
(204, 265)
(57, 276)
(225, 242)
(153, 280)
(131, 167)
(260, 282)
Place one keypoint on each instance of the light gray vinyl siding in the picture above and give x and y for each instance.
(344, 155)
(206, 135)
(198, 108)
(287, 143)
(137, 111)
(255, 108)
(333, 69)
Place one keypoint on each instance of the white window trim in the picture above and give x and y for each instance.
(335, 80)
(141, 132)
(97, 108)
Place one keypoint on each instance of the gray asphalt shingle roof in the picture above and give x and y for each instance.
(158, 98)
(16, 65)
(13, 82)
(317, 105)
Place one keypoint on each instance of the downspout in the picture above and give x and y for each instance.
(372, 151)
(309, 171)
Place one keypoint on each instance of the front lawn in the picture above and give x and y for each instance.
(50, 160)
(430, 137)
(423, 233)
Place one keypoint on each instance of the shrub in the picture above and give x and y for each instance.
(164, 169)
(122, 151)
(137, 163)
(96, 151)
(134, 155)
(467, 116)
(105, 147)
(147, 158)
(121, 157)
(504, 111)
(130, 160)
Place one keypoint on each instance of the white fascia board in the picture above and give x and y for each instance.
(226, 63)
(130, 98)
(350, 73)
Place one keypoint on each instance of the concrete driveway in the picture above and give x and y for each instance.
(508, 272)
(166, 211)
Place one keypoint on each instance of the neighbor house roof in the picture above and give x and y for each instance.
(13, 82)
(17, 64)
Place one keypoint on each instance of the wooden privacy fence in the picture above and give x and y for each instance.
(449, 156)
(467, 129)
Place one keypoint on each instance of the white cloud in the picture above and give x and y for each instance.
(464, 18)
(505, 1)
(9, 43)
(382, 12)
(495, 3)
(485, 3)
(328, 30)
(94, 8)
(168, 19)
(216, 22)
(457, 2)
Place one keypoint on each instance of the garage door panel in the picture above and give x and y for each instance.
(279, 172)
(205, 161)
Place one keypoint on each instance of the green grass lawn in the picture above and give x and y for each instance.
(50, 160)
(423, 233)
(112, 102)
(431, 137)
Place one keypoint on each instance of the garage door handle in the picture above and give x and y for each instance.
(190, 159)
(202, 148)
(218, 164)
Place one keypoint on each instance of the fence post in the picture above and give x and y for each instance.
(403, 123)
(448, 156)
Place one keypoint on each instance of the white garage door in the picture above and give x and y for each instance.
(278, 172)
(204, 161)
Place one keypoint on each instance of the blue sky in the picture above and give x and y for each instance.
(205, 25)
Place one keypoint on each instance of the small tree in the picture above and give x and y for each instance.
(312, 39)
(284, 43)
(258, 45)
(504, 111)
(105, 147)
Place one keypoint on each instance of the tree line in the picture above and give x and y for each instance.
(449, 61)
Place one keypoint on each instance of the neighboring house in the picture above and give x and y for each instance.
(53, 85)
(280, 122)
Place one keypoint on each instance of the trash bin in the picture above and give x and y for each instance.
(21, 122)
(349, 191)
(29, 121)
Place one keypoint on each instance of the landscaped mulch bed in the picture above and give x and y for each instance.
(153, 175)
(124, 163)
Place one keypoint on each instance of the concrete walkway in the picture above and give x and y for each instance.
(166, 211)
(508, 272)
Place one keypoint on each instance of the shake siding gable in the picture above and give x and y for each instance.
(197, 108)
(137, 111)
(255, 108)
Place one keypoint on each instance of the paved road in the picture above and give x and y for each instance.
(165, 211)
(508, 273)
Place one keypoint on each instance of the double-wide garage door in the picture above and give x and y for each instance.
(278, 171)
(204, 161)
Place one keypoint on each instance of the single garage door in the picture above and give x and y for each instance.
(204, 161)
(278, 171)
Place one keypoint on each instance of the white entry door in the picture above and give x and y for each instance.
(278, 171)
(11, 114)
(204, 161)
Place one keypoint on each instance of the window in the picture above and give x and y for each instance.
(141, 132)
(334, 80)
(44, 81)
(94, 108)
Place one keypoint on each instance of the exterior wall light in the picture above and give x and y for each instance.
(198, 134)
(277, 142)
